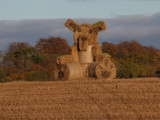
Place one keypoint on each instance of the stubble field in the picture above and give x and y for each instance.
(119, 99)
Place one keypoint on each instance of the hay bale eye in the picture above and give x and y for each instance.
(79, 30)
(90, 31)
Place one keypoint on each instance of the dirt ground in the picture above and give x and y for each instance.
(119, 99)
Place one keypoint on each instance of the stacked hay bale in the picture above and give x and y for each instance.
(73, 70)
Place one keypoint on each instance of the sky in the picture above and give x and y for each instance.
(46, 9)
(30, 20)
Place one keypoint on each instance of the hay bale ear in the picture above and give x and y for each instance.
(72, 25)
(99, 26)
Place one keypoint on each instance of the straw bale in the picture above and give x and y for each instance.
(86, 49)
(72, 25)
(91, 69)
(75, 70)
(102, 57)
(65, 59)
(105, 72)
(85, 69)
(63, 72)
(96, 49)
(55, 72)
(82, 43)
(99, 26)
(100, 70)
(85, 34)
(69, 71)
(75, 53)
(86, 56)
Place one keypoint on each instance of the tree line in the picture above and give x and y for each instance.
(22, 61)
(133, 59)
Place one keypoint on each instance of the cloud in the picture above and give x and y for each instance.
(29, 30)
(144, 29)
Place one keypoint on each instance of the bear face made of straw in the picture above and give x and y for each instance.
(85, 34)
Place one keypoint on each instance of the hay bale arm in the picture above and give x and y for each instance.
(64, 59)
(102, 57)
(69, 58)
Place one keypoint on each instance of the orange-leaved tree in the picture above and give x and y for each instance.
(53, 45)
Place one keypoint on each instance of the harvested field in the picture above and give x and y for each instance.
(120, 99)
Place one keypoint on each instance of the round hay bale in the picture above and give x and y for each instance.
(70, 71)
(105, 71)
(86, 56)
(63, 72)
(85, 69)
(91, 69)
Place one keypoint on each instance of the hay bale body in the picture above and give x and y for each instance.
(70, 71)
(86, 56)
(91, 69)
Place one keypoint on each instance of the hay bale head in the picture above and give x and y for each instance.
(85, 34)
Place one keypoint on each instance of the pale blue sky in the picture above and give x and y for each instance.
(125, 19)
(44, 9)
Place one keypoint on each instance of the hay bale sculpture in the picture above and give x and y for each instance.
(86, 59)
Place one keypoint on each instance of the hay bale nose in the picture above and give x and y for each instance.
(83, 38)
(82, 43)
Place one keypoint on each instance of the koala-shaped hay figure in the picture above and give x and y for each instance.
(86, 59)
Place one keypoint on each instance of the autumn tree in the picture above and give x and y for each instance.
(133, 59)
(17, 46)
(53, 45)
(21, 55)
(1, 53)
(110, 48)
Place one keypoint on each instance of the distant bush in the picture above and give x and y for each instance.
(39, 76)
(6, 79)
(134, 70)
(128, 70)
(3, 74)
(24, 62)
